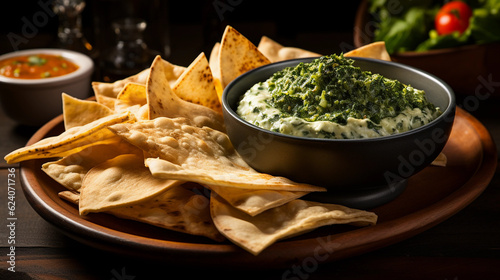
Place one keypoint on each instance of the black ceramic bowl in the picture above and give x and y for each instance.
(337, 164)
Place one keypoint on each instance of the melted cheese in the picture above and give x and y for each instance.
(255, 109)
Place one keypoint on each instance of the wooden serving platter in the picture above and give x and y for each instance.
(432, 196)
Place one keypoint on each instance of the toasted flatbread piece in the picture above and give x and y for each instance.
(71, 196)
(276, 52)
(78, 112)
(237, 55)
(196, 85)
(213, 62)
(374, 50)
(106, 93)
(72, 140)
(256, 233)
(203, 155)
(163, 102)
(254, 202)
(441, 160)
(120, 181)
(69, 171)
(178, 209)
(132, 94)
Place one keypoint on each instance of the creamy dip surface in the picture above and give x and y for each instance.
(317, 111)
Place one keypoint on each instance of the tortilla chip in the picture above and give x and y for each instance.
(213, 62)
(163, 102)
(120, 181)
(441, 160)
(172, 72)
(141, 113)
(237, 55)
(254, 202)
(201, 155)
(72, 140)
(78, 112)
(70, 170)
(100, 89)
(276, 52)
(177, 209)
(71, 196)
(374, 50)
(106, 93)
(196, 85)
(132, 94)
(254, 234)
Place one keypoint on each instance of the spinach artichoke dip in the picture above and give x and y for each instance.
(331, 98)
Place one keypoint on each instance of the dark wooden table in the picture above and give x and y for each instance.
(466, 246)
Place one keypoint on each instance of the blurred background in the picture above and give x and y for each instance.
(177, 30)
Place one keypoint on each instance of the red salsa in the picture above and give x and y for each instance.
(36, 66)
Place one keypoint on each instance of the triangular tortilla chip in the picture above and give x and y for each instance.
(277, 52)
(71, 196)
(201, 155)
(172, 71)
(131, 94)
(196, 85)
(72, 140)
(78, 112)
(440, 160)
(254, 202)
(120, 181)
(70, 170)
(254, 234)
(213, 62)
(374, 50)
(237, 55)
(106, 93)
(163, 102)
(178, 209)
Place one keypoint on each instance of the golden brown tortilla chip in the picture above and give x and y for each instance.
(196, 85)
(201, 155)
(276, 52)
(78, 112)
(254, 202)
(374, 50)
(213, 60)
(70, 170)
(172, 72)
(120, 181)
(178, 209)
(256, 233)
(237, 55)
(71, 196)
(132, 94)
(441, 160)
(72, 140)
(163, 102)
(106, 93)
(215, 67)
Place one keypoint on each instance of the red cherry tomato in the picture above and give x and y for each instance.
(453, 16)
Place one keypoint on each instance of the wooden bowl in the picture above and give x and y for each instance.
(469, 70)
